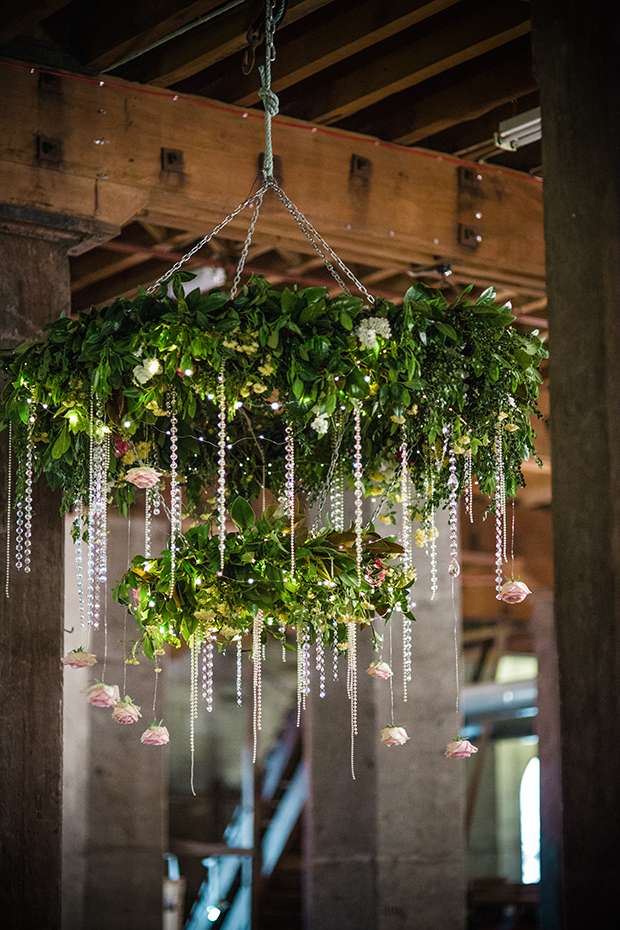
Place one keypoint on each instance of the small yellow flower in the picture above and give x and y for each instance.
(266, 369)
(397, 419)
(413, 409)
(160, 652)
(259, 388)
(511, 427)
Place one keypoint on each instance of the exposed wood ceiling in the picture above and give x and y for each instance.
(440, 74)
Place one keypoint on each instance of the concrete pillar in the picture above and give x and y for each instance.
(115, 826)
(577, 56)
(386, 851)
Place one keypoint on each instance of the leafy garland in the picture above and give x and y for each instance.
(323, 595)
(294, 357)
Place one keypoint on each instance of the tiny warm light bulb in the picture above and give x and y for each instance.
(189, 371)
(126, 423)
(275, 405)
(153, 366)
(73, 418)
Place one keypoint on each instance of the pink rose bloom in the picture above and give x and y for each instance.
(513, 592)
(460, 749)
(394, 736)
(379, 670)
(155, 736)
(101, 695)
(121, 446)
(126, 711)
(79, 659)
(143, 477)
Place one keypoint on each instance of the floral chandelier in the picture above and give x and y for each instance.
(230, 396)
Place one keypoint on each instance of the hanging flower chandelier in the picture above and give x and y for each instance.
(229, 396)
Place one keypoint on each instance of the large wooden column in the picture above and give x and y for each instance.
(386, 851)
(577, 59)
(34, 289)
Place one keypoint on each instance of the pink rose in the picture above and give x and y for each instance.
(460, 749)
(77, 658)
(379, 670)
(513, 592)
(155, 736)
(143, 477)
(101, 695)
(394, 736)
(121, 446)
(126, 711)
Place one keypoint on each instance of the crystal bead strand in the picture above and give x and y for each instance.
(9, 482)
(79, 560)
(28, 494)
(289, 468)
(320, 666)
(453, 513)
(352, 685)
(207, 671)
(500, 511)
(257, 677)
(300, 669)
(239, 672)
(103, 533)
(469, 487)
(91, 514)
(429, 527)
(193, 702)
(337, 517)
(221, 469)
(148, 518)
(175, 493)
(359, 491)
(407, 542)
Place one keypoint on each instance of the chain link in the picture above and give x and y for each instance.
(199, 245)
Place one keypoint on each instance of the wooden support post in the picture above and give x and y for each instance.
(576, 61)
(34, 289)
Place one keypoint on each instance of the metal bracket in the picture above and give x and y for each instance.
(172, 160)
(468, 236)
(48, 150)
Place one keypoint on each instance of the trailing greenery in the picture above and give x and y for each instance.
(323, 595)
(437, 369)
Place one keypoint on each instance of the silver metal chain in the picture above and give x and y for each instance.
(251, 201)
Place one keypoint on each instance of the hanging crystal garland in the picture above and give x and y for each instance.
(148, 521)
(320, 666)
(352, 685)
(469, 484)
(97, 509)
(28, 494)
(303, 668)
(407, 543)
(453, 513)
(257, 678)
(175, 491)
(9, 481)
(221, 466)
(79, 561)
(239, 681)
(289, 468)
(194, 651)
(207, 671)
(337, 512)
(500, 512)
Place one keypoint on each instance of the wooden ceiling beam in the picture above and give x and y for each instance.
(107, 30)
(18, 19)
(204, 46)
(408, 59)
(408, 209)
(330, 35)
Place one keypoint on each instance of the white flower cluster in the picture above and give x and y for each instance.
(143, 373)
(320, 424)
(369, 329)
